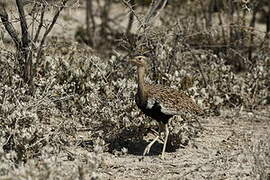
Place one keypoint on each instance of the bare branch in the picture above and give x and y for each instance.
(155, 8)
(90, 16)
(24, 28)
(49, 30)
(8, 26)
(131, 17)
(201, 70)
(40, 22)
(131, 10)
(25, 53)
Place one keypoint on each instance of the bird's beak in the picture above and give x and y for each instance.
(132, 61)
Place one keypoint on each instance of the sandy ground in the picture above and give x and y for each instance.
(226, 150)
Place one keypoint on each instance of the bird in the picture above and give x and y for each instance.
(160, 102)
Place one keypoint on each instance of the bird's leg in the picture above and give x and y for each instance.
(148, 147)
(165, 140)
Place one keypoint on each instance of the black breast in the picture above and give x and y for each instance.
(153, 112)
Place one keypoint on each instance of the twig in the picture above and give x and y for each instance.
(252, 25)
(132, 10)
(48, 31)
(40, 22)
(154, 10)
(201, 71)
(172, 55)
(131, 18)
(208, 21)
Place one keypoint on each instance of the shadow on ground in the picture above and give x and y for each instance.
(132, 141)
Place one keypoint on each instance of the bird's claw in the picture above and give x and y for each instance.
(147, 149)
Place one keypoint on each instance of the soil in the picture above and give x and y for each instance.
(225, 150)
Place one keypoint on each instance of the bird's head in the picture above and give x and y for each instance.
(139, 61)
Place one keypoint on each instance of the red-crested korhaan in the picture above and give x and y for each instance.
(160, 102)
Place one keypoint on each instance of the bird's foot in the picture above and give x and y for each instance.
(147, 149)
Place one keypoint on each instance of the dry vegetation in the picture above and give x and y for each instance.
(76, 118)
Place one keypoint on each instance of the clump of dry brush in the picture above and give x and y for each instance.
(80, 104)
(38, 131)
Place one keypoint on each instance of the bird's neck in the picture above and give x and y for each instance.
(140, 80)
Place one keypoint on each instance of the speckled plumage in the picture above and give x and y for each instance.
(171, 101)
(161, 102)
